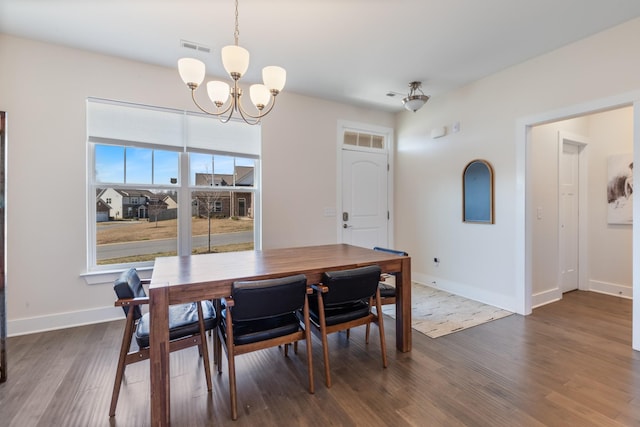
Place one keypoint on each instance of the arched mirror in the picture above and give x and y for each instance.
(477, 192)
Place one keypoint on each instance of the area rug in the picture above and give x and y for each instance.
(436, 313)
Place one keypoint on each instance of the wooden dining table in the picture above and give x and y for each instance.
(183, 279)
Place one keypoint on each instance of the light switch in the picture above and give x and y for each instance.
(539, 213)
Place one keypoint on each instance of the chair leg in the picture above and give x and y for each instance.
(233, 396)
(325, 343)
(366, 335)
(219, 350)
(219, 343)
(204, 350)
(383, 344)
(124, 349)
(307, 334)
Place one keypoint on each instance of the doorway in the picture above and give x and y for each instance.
(364, 199)
(365, 185)
(573, 244)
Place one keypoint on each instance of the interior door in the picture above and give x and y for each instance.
(364, 198)
(569, 217)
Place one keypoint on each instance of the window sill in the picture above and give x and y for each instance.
(101, 277)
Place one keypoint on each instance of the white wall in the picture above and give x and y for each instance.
(43, 89)
(486, 262)
(608, 246)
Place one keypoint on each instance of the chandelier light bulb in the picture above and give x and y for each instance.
(235, 60)
(259, 95)
(191, 71)
(218, 92)
(274, 77)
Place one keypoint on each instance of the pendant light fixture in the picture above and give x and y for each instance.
(414, 100)
(227, 98)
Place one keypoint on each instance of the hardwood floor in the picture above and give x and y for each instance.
(570, 363)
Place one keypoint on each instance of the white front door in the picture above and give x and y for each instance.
(365, 207)
(569, 217)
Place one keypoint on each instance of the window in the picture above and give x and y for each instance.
(360, 139)
(147, 179)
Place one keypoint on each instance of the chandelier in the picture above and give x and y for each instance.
(227, 98)
(414, 101)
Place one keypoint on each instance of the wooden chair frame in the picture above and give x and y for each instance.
(232, 350)
(128, 357)
(324, 330)
(385, 300)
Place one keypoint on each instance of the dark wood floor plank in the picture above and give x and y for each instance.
(569, 363)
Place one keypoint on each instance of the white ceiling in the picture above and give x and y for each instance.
(353, 51)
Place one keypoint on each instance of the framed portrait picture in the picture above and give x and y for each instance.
(620, 189)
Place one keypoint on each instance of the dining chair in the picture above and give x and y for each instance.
(261, 314)
(342, 301)
(188, 324)
(388, 291)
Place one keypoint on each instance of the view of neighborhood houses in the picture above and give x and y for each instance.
(139, 224)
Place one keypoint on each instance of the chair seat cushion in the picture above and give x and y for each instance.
(246, 332)
(338, 313)
(183, 321)
(386, 290)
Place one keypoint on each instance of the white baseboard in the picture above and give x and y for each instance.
(614, 289)
(553, 295)
(545, 297)
(63, 320)
(467, 291)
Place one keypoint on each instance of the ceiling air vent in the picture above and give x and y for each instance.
(195, 46)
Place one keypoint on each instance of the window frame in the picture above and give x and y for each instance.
(183, 188)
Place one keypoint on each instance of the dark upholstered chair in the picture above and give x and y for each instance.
(344, 300)
(262, 314)
(387, 291)
(188, 324)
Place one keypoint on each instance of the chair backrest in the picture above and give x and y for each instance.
(127, 286)
(351, 285)
(391, 251)
(261, 299)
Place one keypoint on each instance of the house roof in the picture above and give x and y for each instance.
(244, 178)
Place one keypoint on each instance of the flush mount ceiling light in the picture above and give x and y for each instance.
(226, 98)
(414, 100)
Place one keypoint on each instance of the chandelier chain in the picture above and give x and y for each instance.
(236, 33)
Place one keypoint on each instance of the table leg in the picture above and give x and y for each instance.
(403, 307)
(159, 356)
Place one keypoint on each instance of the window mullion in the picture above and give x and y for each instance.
(184, 207)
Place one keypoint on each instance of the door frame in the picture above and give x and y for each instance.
(524, 196)
(583, 245)
(387, 133)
